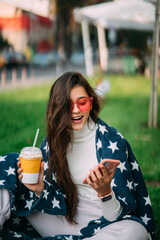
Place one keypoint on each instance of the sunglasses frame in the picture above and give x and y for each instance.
(76, 102)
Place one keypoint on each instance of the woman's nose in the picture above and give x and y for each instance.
(75, 108)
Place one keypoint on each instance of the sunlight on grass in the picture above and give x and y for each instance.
(26, 95)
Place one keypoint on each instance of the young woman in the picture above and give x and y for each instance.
(64, 206)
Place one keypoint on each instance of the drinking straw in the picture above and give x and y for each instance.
(35, 139)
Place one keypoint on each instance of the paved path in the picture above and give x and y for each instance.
(36, 77)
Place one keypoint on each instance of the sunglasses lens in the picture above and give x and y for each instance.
(84, 104)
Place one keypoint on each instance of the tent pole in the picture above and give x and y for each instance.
(155, 66)
(103, 51)
(87, 48)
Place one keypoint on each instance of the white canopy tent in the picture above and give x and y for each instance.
(119, 14)
(126, 14)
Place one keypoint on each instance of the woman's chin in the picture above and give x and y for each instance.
(77, 126)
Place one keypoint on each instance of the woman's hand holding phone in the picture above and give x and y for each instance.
(101, 176)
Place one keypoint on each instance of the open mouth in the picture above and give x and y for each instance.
(77, 119)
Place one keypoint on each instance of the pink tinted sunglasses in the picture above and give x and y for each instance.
(84, 104)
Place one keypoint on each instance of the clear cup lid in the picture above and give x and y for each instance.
(31, 152)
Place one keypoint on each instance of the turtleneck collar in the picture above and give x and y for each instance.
(82, 134)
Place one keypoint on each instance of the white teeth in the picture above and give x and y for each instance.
(76, 118)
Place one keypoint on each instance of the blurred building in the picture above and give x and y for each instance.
(123, 32)
(23, 26)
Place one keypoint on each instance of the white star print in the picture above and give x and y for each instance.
(126, 216)
(79, 233)
(45, 166)
(127, 152)
(53, 177)
(145, 219)
(16, 220)
(44, 178)
(136, 184)
(118, 133)
(113, 146)
(49, 184)
(46, 148)
(30, 229)
(123, 199)
(135, 166)
(2, 159)
(113, 183)
(31, 194)
(29, 204)
(102, 129)
(14, 208)
(45, 194)
(148, 201)
(129, 185)
(64, 195)
(16, 235)
(122, 167)
(97, 221)
(22, 197)
(96, 230)
(99, 144)
(10, 171)
(149, 235)
(2, 182)
(69, 238)
(55, 203)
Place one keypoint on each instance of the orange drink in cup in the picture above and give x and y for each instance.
(30, 158)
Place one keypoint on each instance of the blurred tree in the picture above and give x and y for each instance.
(3, 43)
(62, 12)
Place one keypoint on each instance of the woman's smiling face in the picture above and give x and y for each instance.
(79, 98)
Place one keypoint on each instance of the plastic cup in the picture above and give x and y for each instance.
(30, 158)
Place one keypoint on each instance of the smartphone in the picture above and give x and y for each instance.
(110, 164)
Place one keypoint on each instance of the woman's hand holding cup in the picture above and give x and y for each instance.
(31, 169)
(37, 187)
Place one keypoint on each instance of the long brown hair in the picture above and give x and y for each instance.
(59, 133)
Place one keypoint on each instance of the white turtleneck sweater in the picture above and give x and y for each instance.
(81, 157)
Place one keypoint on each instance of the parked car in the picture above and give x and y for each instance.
(77, 58)
(12, 59)
(45, 59)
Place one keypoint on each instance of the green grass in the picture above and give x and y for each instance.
(22, 112)
(154, 193)
(125, 107)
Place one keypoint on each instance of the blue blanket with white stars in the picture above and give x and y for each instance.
(128, 185)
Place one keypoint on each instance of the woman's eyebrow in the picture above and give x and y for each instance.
(82, 97)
